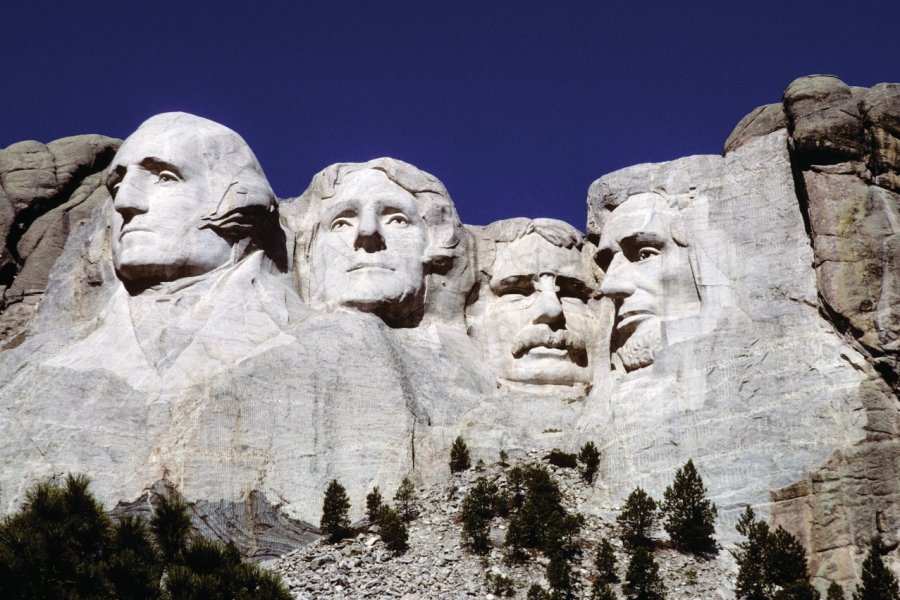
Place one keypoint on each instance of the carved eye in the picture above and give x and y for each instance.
(397, 220)
(647, 252)
(166, 176)
(339, 224)
(513, 291)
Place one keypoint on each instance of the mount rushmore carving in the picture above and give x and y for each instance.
(196, 330)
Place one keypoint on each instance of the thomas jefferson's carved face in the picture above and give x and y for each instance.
(368, 251)
(647, 274)
(533, 317)
(161, 190)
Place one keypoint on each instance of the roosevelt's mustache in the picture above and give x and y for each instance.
(534, 336)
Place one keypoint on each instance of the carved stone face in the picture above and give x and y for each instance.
(533, 317)
(369, 247)
(161, 191)
(648, 276)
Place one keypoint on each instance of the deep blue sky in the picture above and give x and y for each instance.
(515, 106)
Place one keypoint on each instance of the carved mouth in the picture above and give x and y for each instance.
(557, 345)
(132, 230)
(630, 319)
(365, 266)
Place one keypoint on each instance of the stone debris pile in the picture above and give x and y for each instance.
(437, 565)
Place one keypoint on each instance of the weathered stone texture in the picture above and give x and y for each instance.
(740, 310)
(44, 191)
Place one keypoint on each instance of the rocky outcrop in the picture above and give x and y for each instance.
(843, 151)
(45, 190)
(738, 310)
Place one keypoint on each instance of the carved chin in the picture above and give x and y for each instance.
(639, 349)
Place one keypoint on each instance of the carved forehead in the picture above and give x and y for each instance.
(533, 255)
(642, 213)
(370, 187)
(190, 142)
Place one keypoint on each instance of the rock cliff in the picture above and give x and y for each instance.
(168, 322)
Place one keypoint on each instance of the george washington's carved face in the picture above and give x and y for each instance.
(647, 274)
(369, 247)
(161, 191)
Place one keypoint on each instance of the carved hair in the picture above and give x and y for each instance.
(445, 237)
(558, 233)
(608, 200)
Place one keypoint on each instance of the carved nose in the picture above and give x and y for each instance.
(548, 310)
(129, 200)
(618, 282)
(368, 236)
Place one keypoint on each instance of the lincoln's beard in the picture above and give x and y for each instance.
(638, 350)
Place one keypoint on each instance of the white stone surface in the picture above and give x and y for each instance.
(225, 370)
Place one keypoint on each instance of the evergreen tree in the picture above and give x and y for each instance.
(373, 503)
(134, 566)
(335, 523)
(504, 459)
(771, 565)
(405, 501)
(559, 576)
(459, 456)
(876, 581)
(786, 559)
(835, 592)
(690, 516)
(602, 591)
(589, 457)
(752, 558)
(62, 545)
(642, 580)
(478, 507)
(605, 562)
(394, 533)
(541, 522)
(171, 527)
(56, 546)
(637, 519)
(536, 592)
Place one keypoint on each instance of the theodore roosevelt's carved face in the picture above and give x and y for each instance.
(161, 191)
(532, 316)
(647, 274)
(368, 251)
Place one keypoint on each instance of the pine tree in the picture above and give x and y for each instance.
(335, 507)
(541, 522)
(394, 533)
(171, 527)
(835, 592)
(605, 562)
(559, 576)
(134, 567)
(642, 580)
(637, 519)
(876, 581)
(478, 507)
(752, 558)
(56, 546)
(771, 565)
(602, 591)
(690, 516)
(589, 457)
(405, 501)
(536, 592)
(786, 559)
(373, 503)
(459, 456)
(62, 545)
